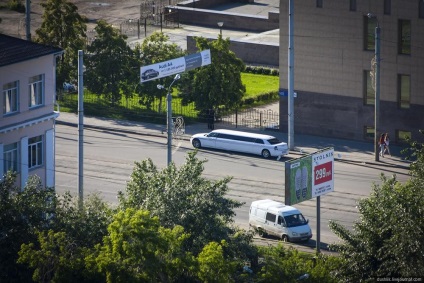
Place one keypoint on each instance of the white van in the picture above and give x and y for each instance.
(270, 217)
(246, 142)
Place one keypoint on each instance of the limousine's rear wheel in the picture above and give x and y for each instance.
(265, 153)
(196, 143)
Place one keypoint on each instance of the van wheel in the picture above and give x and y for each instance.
(262, 233)
(265, 153)
(285, 238)
(196, 143)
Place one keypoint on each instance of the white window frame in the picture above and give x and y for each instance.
(35, 151)
(11, 97)
(11, 157)
(36, 91)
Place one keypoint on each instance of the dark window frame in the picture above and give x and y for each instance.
(421, 9)
(404, 39)
(319, 3)
(352, 5)
(403, 103)
(369, 100)
(387, 7)
(369, 33)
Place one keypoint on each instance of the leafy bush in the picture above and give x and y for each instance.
(16, 5)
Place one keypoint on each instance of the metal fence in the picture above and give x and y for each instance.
(133, 108)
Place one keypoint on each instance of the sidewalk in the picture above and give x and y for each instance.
(344, 150)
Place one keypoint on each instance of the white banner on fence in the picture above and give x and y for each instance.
(175, 66)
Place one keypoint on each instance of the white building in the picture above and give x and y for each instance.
(27, 120)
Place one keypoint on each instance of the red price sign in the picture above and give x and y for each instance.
(323, 173)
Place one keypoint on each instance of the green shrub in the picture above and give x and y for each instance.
(16, 5)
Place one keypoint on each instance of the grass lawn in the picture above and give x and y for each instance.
(257, 84)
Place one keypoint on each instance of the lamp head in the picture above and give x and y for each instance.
(177, 77)
(220, 24)
(160, 87)
(371, 15)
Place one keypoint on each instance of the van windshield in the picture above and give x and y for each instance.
(274, 141)
(295, 220)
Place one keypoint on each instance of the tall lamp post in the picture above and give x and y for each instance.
(376, 87)
(169, 123)
(220, 24)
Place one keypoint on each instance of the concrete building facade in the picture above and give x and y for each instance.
(333, 49)
(27, 119)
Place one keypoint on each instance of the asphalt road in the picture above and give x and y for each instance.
(109, 158)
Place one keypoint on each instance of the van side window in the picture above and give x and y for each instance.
(280, 220)
(271, 217)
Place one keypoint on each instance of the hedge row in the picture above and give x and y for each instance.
(262, 70)
(264, 97)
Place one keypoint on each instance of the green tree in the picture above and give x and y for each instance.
(218, 84)
(213, 267)
(22, 213)
(58, 255)
(138, 249)
(109, 67)
(63, 27)
(282, 264)
(181, 196)
(155, 49)
(388, 238)
(54, 258)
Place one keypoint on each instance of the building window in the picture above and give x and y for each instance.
(402, 136)
(10, 158)
(369, 133)
(369, 92)
(35, 151)
(421, 9)
(319, 3)
(36, 90)
(387, 7)
(404, 91)
(404, 29)
(369, 33)
(352, 5)
(10, 98)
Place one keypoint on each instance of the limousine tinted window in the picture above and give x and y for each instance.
(213, 135)
(274, 141)
(259, 141)
(236, 138)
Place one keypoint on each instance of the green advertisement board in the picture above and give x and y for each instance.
(309, 176)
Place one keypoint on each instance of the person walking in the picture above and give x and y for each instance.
(386, 144)
(382, 144)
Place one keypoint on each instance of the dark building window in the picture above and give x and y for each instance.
(369, 132)
(352, 5)
(421, 9)
(404, 36)
(404, 91)
(402, 136)
(369, 92)
(369, 33)
(319, 3)
(387, 7)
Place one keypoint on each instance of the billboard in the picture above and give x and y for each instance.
(309, 176)
(175, 66)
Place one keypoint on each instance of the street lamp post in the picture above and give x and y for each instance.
(376, 87)
(220, 24)
(169, 123)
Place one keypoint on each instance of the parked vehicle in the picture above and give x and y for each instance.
(246, 142)
(149, 74)
(270, 217)
(68, 87)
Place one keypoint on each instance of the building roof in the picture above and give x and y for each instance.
(14, 50)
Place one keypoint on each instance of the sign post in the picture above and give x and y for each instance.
(169, 68)
(308, 177)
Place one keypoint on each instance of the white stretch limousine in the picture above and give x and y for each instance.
(259, 144)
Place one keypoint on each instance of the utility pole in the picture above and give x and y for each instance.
(291, 79)
(28, 20)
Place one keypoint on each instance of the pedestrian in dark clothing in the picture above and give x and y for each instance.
(382, 143)
(211, 119)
